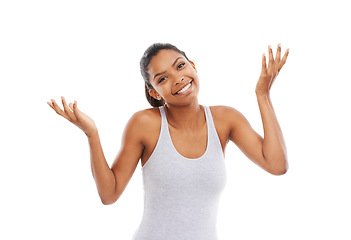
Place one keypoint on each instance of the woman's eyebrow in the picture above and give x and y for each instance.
(158, 74)
(175, 61)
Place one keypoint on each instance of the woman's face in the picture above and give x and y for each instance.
(173, 77)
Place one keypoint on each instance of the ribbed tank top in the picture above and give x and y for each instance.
(181, 195)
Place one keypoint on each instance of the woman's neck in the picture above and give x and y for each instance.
(185, 117)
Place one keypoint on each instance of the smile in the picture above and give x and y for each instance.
(185, 88)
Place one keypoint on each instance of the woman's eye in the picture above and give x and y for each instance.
(161, 79)
(181, 65)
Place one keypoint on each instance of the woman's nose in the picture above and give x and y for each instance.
(179, 80)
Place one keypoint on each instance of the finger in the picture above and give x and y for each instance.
(70, 105)
(76, 111)
(277, 59)
(67, 110)
(270, 51)
(58, 110)
(279, 50)
(76, 114)
(50, 104)
(56, 107)
(264, 63)
(282, 62)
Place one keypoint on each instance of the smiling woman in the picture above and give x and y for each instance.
(181, 145)
(173, 80)
(152, 51)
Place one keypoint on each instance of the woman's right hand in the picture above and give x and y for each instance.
(75, 116)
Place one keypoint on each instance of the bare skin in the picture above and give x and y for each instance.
(175, 80)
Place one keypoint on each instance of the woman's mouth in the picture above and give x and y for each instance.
(184, 89)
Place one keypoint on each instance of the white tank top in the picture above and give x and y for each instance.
(181, 195)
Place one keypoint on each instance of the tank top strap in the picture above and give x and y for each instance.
(213, 135)
(208, 115)
(164, 127)
(163, 117)
(210, 123)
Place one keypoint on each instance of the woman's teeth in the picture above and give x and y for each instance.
(184, 88)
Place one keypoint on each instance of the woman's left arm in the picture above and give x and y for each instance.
(273, 145)
(268, 152)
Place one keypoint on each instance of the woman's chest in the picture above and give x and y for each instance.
(190, 144)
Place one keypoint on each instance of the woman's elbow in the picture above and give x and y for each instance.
(108, 201)
(278, 172)
(279, 169)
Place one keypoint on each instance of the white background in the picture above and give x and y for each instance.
(89, 51)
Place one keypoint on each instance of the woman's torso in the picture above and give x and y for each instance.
(182, 193)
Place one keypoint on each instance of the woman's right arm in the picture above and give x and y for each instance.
(110, 183)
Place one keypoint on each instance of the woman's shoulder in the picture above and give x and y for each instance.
(226, 115)
(223, 111)
(225, 120)
(146, 115)
(144, 121)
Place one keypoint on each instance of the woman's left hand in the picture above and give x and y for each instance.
(269, 74)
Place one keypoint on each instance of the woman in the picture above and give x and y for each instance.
(181, 144)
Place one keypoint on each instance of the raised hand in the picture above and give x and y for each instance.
(75, 116)
(269, 74)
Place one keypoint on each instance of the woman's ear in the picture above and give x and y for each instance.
(193, 64)
(154, 94)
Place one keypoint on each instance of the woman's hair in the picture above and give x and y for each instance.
(144, 68)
